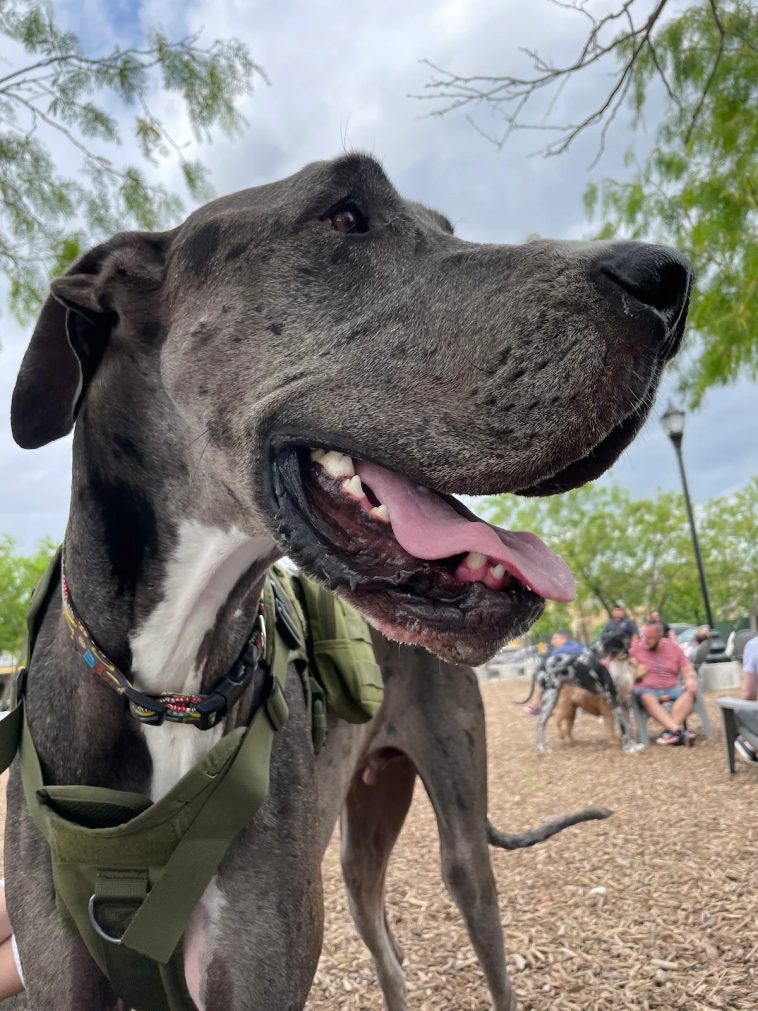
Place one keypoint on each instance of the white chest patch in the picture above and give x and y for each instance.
(205, 566)
(199, 937)
(174, 749)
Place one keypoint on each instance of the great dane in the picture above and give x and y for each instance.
(314, 367)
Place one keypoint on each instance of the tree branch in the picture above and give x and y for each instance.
(669, 91)
(711, 76)
(458, 91)
(104, 163)
(111, 60)
(620, 86)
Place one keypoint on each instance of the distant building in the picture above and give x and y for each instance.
(7, 664)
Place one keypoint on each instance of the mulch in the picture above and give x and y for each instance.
(655, 908)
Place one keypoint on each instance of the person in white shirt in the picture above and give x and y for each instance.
(745, 745)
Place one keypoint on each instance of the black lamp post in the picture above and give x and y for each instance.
(673, 425)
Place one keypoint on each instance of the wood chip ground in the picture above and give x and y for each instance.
(656, 908)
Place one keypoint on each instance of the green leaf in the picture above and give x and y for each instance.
(698, 190)
(47, 217)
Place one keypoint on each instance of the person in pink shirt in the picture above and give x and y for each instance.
(668, 677)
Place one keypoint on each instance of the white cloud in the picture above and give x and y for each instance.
(340, 77)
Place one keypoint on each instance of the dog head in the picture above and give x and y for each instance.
(323, 362)
(616, 646)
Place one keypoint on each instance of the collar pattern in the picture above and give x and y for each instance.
(201, 711)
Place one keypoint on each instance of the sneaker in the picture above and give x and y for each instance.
(532, 710)
(746, 751)
(633, 748)
(671, 737)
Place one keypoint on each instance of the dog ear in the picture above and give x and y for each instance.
(72, 333)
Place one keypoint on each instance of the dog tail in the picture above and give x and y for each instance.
(531, 688)
(537, 835)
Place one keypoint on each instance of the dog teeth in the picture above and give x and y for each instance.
(340, 465)
(474, 561)
(336, 464)
(496, 576)
(478, 568)
(353, 487)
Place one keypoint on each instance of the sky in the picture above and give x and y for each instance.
(340, 77)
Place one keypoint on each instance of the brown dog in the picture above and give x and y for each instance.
(571, 698)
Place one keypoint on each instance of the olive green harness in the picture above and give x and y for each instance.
(128, 871)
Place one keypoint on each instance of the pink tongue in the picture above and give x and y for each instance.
(426, 526)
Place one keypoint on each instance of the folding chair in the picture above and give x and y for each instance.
(735, 713)
(641, 717)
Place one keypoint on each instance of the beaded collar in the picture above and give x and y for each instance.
(201, 711)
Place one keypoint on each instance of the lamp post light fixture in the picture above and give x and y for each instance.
(673, 425)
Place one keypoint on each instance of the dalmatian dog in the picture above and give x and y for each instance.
(586, 670)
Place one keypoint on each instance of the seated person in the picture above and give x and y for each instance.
(668, 676)
(11, 979)
(746, 744)
(700, 647)
(561, 643)
(668, 632)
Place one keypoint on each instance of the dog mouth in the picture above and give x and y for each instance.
(419, 565)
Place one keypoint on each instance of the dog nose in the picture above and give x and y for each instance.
(657, 278)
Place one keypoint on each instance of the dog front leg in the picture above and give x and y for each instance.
(624, 727)
(610, 728)
(549, 700)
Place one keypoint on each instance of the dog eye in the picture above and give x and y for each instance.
(348, 219)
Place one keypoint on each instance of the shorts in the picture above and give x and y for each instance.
(671, 693)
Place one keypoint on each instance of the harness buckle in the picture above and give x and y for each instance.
(146, 709)
(285, 619)
(255, 648)
(96, 926)
(226, 692)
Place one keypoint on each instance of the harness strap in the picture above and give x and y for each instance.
(150, 922)
(157, 987)
(10, 735)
